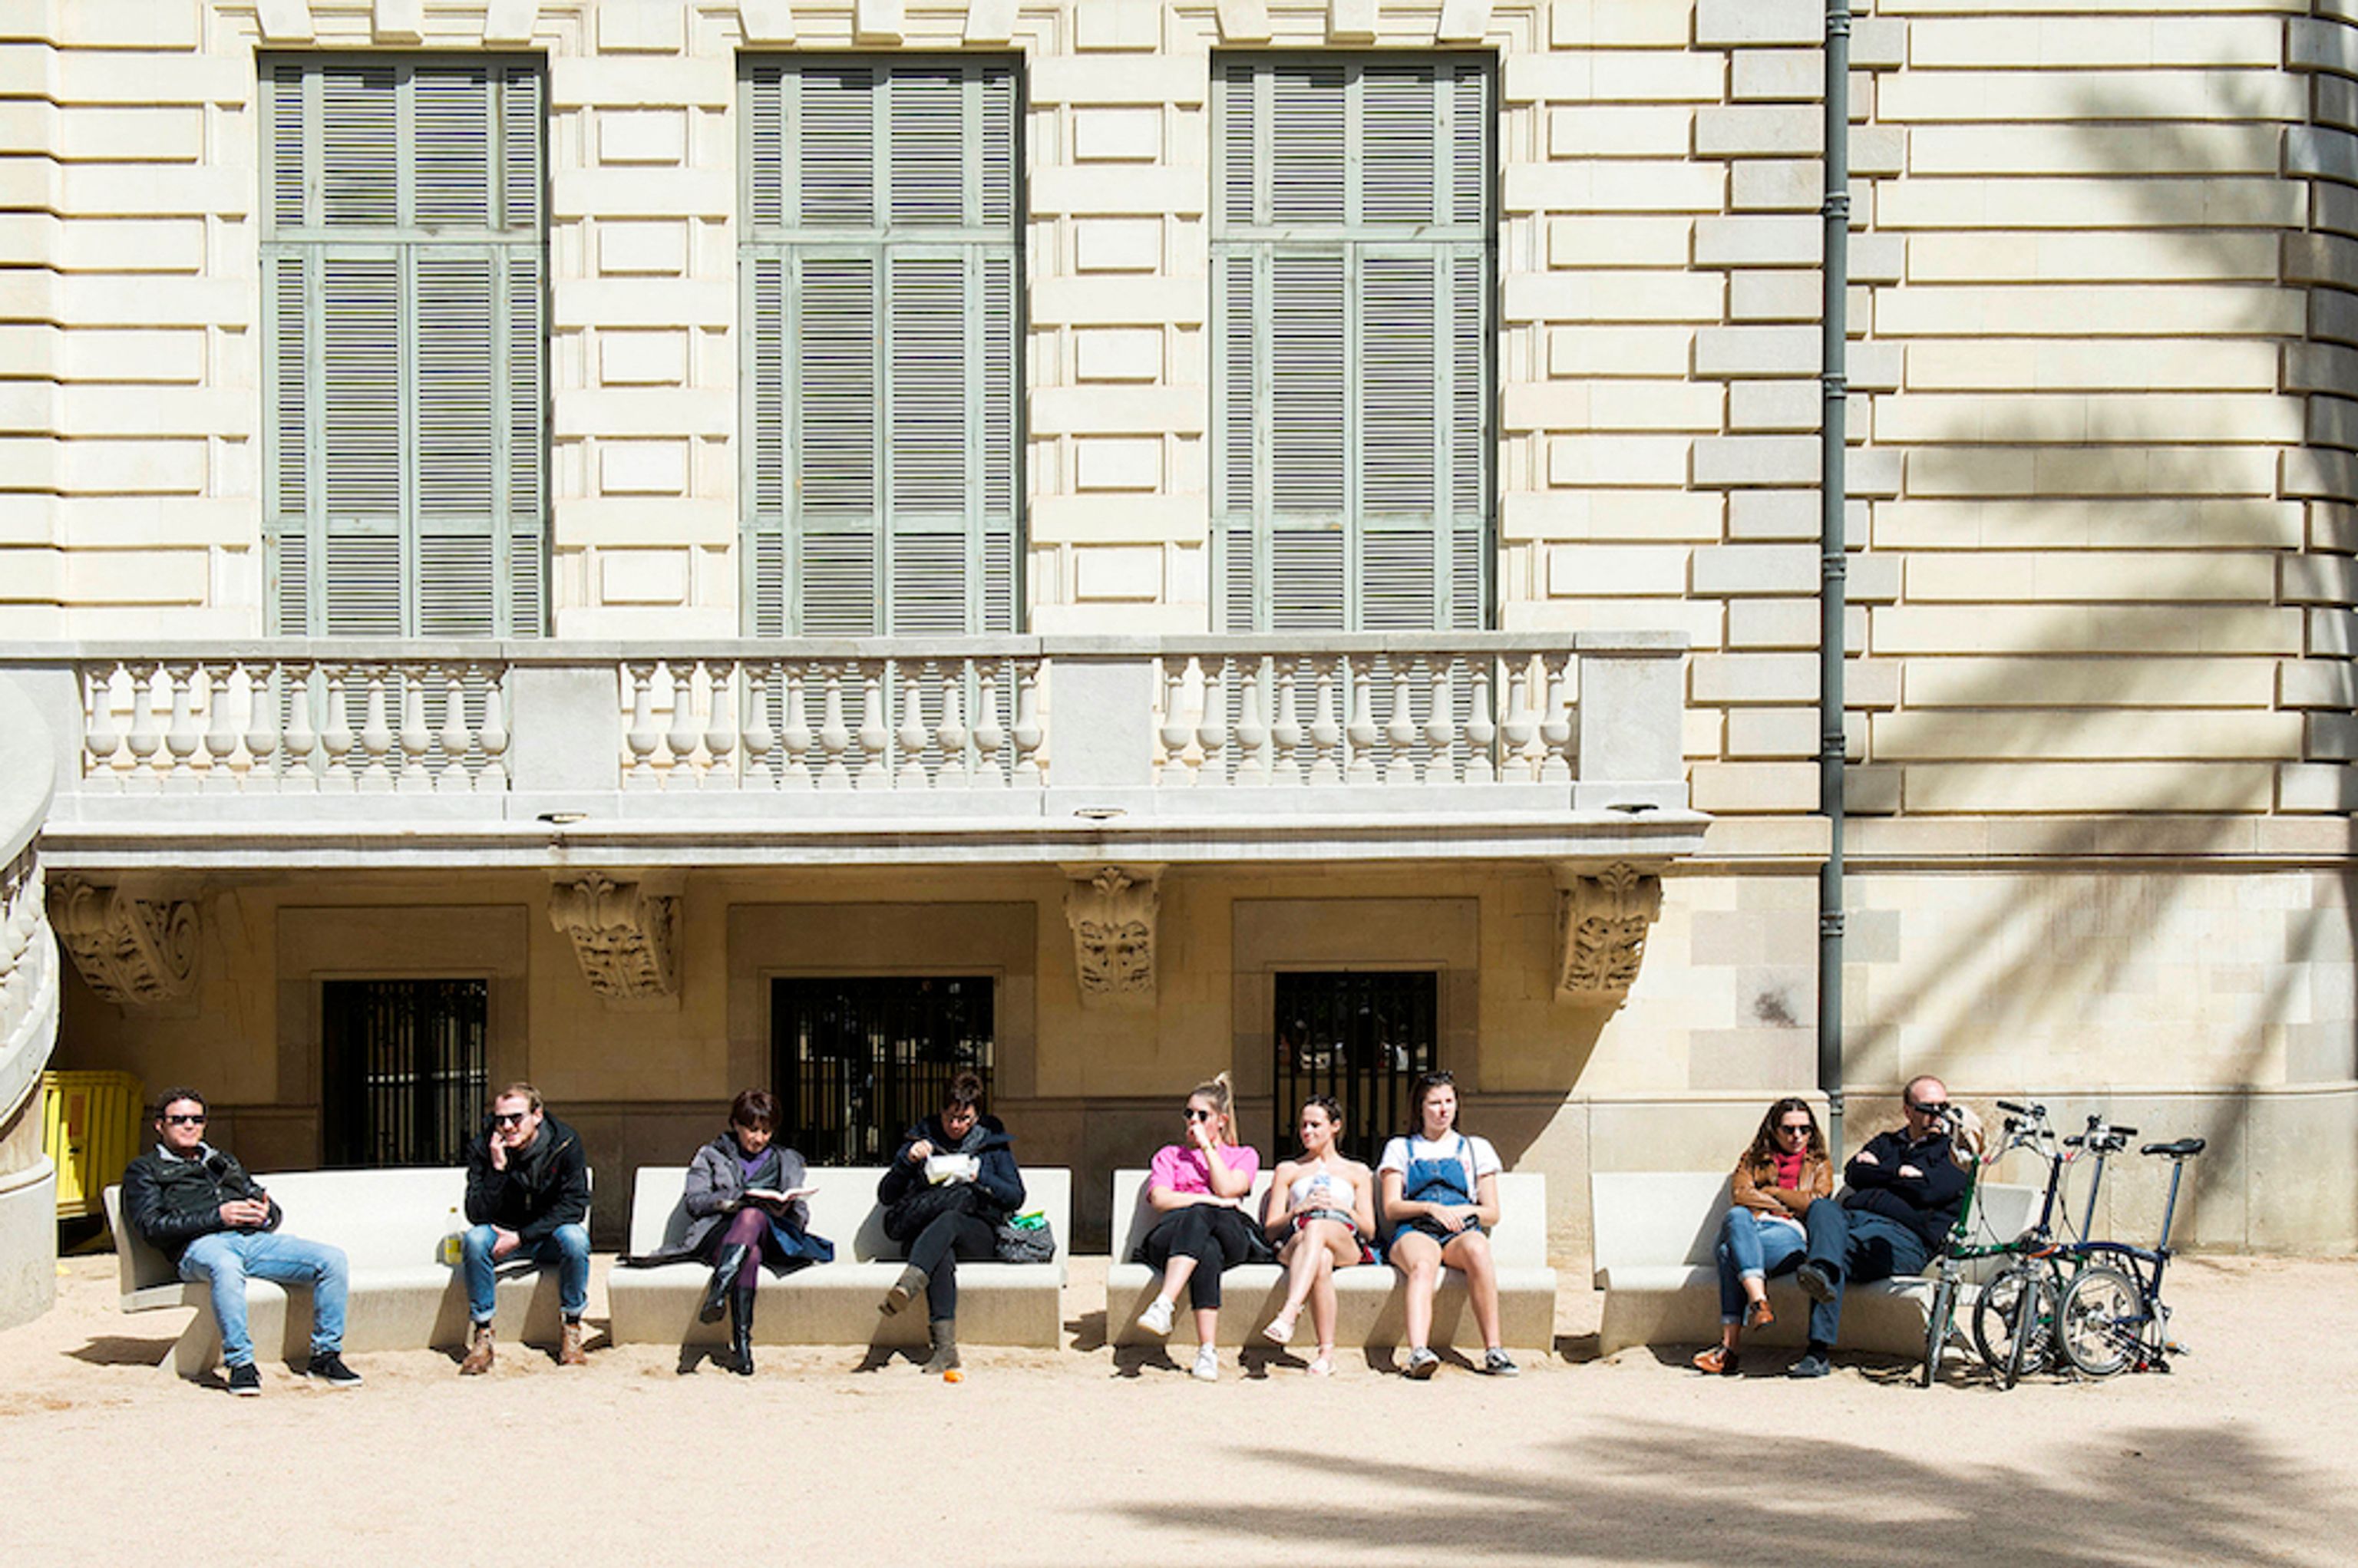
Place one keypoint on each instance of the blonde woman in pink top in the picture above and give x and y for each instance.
(1200, 1187)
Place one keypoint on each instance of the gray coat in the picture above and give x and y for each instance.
(716, 1180)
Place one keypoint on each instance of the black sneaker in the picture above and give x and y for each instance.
(245, 1382)
(330, 1370)
(1816, 1282)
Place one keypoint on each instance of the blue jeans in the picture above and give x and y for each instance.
(1751, 1246)
(227, 1259)
(568, 1247)
(1854, 1248)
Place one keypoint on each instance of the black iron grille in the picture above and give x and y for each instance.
(403, 1075)
(1361, 1037)
(858, 1058)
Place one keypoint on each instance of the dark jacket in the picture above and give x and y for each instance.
(996, 1175)
(1926, 1203)
(543, 1186)
(172, 1201)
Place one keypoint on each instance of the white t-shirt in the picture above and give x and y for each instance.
(1400, 1151)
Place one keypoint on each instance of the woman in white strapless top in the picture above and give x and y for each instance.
(1321, 1209)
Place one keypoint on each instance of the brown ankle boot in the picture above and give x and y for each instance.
(569, 1349)
(479, 1351)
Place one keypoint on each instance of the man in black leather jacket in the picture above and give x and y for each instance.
(197, 1206)
(527, 1194)
(1901, 1197)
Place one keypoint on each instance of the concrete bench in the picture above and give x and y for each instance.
(1655, 1235)
(390, 1224)
(1369, 1309)
(835, 1303)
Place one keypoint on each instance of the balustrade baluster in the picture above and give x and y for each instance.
(101, 739)
(220, 733)
(145, 737)
(417, 737)
(988, 737)
(834, 736)
(875, 736)
(493, 736)
(300, 775)
(1212, 732)
(641, 737)
(909, 738)
(261, 727)
(796, 735)
(336, 739)
(456, 737)
(1481, 732)
(1516, 763)
(1028, 733)
(1360, 764)
(1400, 729)
(953, 731)
(759, 738)
(1326, 734)
(1555, 734)
(1286, 733)
(1440, 721)
(376, 734)
(1175, 733)
(686, 729)
(181, 739)
(720, 724)
(1252, 724)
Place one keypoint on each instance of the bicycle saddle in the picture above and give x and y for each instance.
(2182, 1149)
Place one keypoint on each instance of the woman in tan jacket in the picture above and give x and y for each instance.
(1784, 1170)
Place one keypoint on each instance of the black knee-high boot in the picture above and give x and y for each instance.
(725, 1269)
(741, 1331)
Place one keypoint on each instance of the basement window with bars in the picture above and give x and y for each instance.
(860, 1058)
(879, 273)
(1361, 1036)
(404, 261)
(403, 1077)
(1352, 254)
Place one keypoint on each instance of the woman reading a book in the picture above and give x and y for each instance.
(951, 1182)
(744, 1200)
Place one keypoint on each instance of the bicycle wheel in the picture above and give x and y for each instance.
(2032, 1338)
(1936, 1330)
(1994, 1313)
(2101, 1321)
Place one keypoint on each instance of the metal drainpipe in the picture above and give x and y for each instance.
(1831, 598)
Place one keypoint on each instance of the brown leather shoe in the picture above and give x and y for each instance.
(569, 1349)
(1758, 1315)
(1718, 1361)
(479, 1351)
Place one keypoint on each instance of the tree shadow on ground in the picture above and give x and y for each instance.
(2173, 1494)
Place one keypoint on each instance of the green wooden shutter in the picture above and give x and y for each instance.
(880, 277)
(1351, 360)
(404, 443)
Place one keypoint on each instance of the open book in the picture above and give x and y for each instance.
(772, 1194)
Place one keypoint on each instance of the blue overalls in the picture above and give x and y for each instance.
(1448, 1182)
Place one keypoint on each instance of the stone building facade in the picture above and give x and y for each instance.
(1538, 741)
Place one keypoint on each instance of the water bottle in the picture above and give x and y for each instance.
(448, 1251)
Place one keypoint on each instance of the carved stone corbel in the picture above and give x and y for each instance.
(625, 934)
(1112, 910)
(132, 951)
(1601, 920)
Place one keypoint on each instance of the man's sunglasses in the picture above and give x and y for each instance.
(185, 1120)
(1935, 1107)
(510, 1118)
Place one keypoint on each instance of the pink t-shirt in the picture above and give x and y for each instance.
(1181, 1167)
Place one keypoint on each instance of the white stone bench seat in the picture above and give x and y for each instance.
(1655, 1234)
(1369, 1299)
(391, 1224)
(835, 1303)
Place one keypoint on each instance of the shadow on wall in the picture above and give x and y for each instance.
(1664, 1494)
(2072, 687)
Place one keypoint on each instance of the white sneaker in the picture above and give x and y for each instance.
(1156, 1318)
(1206, 1368)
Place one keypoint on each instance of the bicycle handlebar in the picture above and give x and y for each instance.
(2034, 1111)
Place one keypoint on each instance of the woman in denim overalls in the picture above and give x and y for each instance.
(1441, 1203)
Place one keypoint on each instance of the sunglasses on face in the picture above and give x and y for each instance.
(196, 1121)
(1934, 1108)
(1195, 1115)
(1800, 1129)
(510, 1118)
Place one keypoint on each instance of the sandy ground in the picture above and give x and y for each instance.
(2246, 1452)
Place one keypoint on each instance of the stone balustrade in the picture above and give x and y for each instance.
(224, 754)
(30, 974)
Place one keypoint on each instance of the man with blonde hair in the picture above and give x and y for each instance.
(527, 1196)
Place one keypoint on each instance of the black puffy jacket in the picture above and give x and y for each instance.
(543, 1186)
(172, 1201)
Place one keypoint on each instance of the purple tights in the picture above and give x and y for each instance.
(746, 1229)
